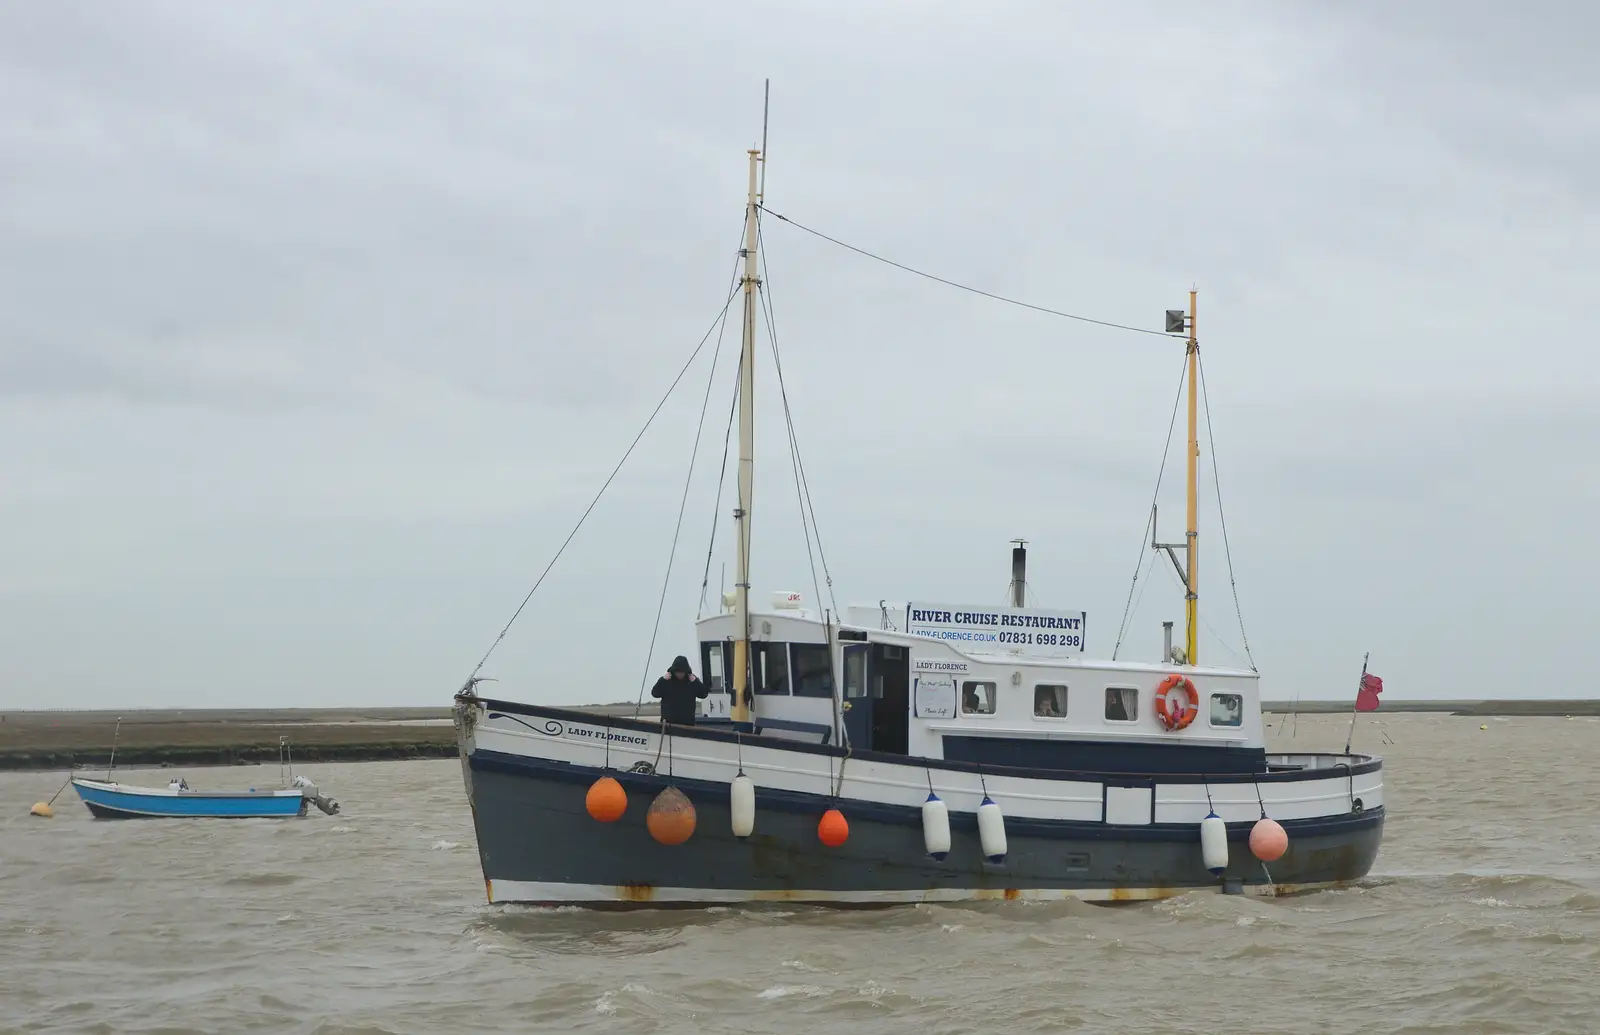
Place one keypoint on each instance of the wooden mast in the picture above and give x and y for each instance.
(740, 712)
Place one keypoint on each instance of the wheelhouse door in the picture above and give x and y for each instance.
(857, 704)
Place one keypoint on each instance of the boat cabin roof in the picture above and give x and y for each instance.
(806, 626)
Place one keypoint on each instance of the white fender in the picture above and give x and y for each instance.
(742, 805)
(992, 831)
(936, 827)
(1214, 844)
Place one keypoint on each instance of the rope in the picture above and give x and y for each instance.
(802, 484)
(838, 788)
(727, 436)
(807, 507)
(609, 478)
(664, 742)
(683, 503)
(1149, 525)
(960, 286)
(794, 462)
(1222, 519)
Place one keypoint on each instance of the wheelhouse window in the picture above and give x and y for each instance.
(813, 670)
(1227, 710)
(977, 697)
(771, 662)
(711, 665)
(1122, 704)
(855, 672)
(1050, 701)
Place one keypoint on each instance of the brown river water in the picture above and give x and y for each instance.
(1482, 917)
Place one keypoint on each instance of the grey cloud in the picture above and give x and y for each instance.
(319, 327)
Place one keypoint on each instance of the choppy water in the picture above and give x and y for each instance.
(1483, 916)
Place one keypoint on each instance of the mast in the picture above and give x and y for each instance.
(1189, 568)
(1191, 645)
(747, 433)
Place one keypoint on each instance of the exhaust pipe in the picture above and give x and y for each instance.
(1019, 571)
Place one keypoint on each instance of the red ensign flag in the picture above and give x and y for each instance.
(1367, 696)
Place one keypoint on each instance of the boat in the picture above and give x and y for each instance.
(913, 751)
(109, 799)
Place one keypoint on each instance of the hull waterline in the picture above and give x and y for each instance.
(538, 845)
(112, 801)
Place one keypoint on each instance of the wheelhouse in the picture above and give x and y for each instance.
(911, 694)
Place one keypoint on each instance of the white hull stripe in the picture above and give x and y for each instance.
(550, 893)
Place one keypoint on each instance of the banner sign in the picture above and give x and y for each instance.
(1027, 630)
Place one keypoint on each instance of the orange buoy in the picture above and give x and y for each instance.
(1268, 840)
(671, 817)
(606, 800)
(832, 828)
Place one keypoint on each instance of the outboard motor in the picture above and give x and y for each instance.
(326, 804)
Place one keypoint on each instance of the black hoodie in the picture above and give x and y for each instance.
(679, 694)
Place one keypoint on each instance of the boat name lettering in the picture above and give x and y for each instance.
(623, 738)
(935, 665)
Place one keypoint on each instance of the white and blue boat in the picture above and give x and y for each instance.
(111, 800)
(914, 751)
(108, 799)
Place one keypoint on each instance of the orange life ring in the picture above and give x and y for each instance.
(1173, 715)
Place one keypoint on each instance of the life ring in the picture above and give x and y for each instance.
(1173, 715)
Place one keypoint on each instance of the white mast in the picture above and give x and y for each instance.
(747, 435)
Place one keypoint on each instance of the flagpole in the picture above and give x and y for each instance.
(1355, 708)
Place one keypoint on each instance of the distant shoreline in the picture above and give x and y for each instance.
(196, 737)
(1503, 708)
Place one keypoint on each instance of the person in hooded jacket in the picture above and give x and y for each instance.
(678, 690)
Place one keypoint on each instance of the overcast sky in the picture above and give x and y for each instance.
(320, 325)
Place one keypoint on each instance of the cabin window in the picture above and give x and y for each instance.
(1122, 704)
(1050, 701)
(771, 662)
(1227, 710)
(977, 698)
(716, 679)
(855, 673)
(813, 670)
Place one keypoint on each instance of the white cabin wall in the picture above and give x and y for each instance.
(1015, 680)
(1085, 719)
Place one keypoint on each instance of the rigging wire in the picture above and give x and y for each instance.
(1222, 520)
(1153, 559)
(727, 436)
(803, 491)
(472, 679)
(802, 484)
(1149, 525)
(683, 502)
(794, 466)
(960, 286)
(1218, 637)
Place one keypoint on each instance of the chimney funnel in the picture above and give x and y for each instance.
(1019, 572)
(1166, 642)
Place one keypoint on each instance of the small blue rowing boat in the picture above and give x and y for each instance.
(108, 800)
(177, 800)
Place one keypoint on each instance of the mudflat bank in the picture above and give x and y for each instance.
(208, 737)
